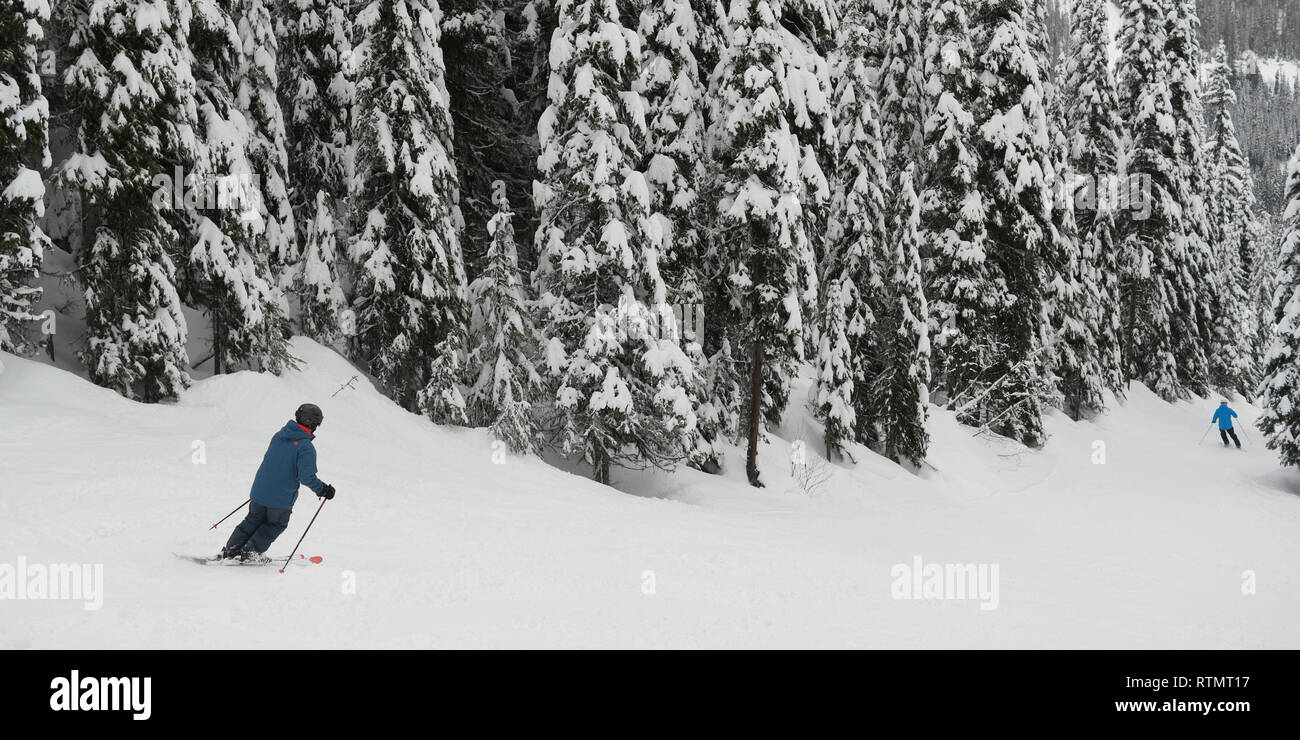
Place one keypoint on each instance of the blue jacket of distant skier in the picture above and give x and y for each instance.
(1224, 415)
(290, 460)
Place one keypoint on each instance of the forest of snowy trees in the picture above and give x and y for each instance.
(509, 213)
(1258, 34)
(1266, 27)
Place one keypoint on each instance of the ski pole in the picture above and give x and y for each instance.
(1203, 436)
(227, 516)
(304, 535)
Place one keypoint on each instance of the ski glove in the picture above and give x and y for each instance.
(327, 492)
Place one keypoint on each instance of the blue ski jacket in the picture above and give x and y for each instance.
(1223, 415)
(289, 461)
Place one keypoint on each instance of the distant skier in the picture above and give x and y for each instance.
(1224, 416)
(290, 461)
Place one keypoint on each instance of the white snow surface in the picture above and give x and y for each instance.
(448, 549)
(1277, 73)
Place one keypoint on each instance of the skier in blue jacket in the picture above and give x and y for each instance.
(290, 461)
(1224, 416)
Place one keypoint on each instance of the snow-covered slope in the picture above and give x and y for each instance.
(1277, 74)
(436, 541)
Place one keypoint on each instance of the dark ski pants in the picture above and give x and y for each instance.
(259, 529)
(1225, 433)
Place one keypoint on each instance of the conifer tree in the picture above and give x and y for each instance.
(669, 81)
(502, 377)
(905, 339)
(809, 35)
(1092, 124)
(835, 367)
(856, 231)
(901, 80)
(1194, 277)
(1072, 285)
(615, 370)
(1280, 391)
(1236, 354)
(256, 95)
(410, 288)
(879, 258)
(126, 92)
(316, 88)
(721, 399)
(225, 267)
(963, 291)
(1014, 180)
(677, 167)
(1153, 256)
(24, 152)
(492, 132)
(768, 254)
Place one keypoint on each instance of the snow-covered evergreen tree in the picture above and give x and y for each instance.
(1014, 181)
(926, 130)
(881, 263)
(225, 268)
(901, 81)
(1091, 121)
(316, 89)
(856, 230)
(321, 299)
(1263, 238)
(1072, 285)
(502, 378)
(256, 94)
(1232, 196)
(915, 62)
(493, 135)
(769, 259)
(24, 132)
(1236, 354)
(1280, 391)
(678, 170)
(722, 401)
(675, 167)
(720, 397)
(905, 338)
(1153, 254)
(869, 19)
(123, 90)
(410, 282)
(614, 365)
(984, 201)
(963, 291)
(530, 51)
(1197, 295)
(835, 376)
(807, 31)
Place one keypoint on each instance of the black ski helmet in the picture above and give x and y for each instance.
(309, 415)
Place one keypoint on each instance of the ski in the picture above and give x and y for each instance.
(276, 561)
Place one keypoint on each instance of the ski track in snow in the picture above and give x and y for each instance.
(447, 549)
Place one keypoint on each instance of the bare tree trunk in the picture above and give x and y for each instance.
(1131, 321)
(217, 326)
(601, 466)
(755, 413)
